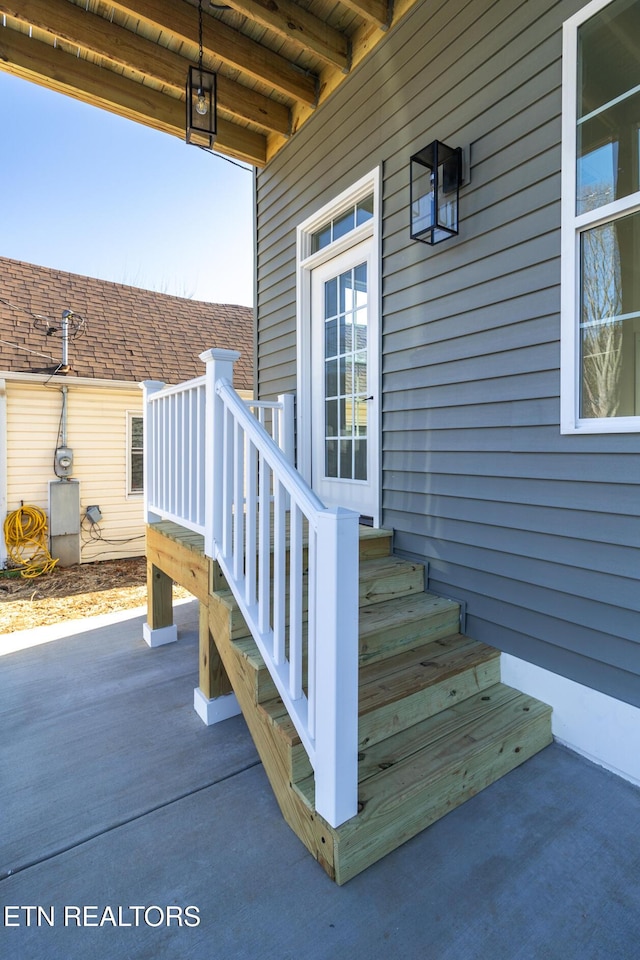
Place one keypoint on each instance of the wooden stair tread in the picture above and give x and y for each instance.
(465, 720)
(381, 579)
(385, 628)
(389, 680)
(384, 578)
(404, 622)
(413, 779)
(392, 683)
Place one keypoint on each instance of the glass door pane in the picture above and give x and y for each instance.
(345, 374)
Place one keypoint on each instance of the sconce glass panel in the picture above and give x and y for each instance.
(201, 99)
(435, 175)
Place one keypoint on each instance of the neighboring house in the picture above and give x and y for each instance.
(118, 336)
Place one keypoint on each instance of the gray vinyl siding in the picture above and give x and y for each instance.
(536, 532)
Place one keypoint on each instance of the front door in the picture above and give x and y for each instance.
(345, 381)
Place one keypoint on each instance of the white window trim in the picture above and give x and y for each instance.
(572, 226)
(306, 261)
(129, 493)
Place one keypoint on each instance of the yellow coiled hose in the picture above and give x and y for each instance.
(25, 533)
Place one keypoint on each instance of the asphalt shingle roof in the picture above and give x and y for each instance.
(129, 334)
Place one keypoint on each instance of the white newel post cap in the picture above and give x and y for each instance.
(151, 386)
(217, 353)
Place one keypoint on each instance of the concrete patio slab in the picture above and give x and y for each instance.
(543, 864)
(97, 730)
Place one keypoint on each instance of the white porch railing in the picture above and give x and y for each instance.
(175, 444)
(291, 563)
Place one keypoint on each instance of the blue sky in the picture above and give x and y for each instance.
(85, 191)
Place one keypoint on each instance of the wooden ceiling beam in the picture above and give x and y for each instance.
(288, 20)
(41, 63)
(376, 11)
(180, 20)
(118, 45)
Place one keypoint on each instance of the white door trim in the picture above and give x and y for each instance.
(306, 263)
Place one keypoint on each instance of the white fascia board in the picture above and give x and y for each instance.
(69, 381)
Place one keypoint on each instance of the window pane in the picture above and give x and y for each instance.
(360, 460)
(331, 379)
(346, 335)
(321, 239)
(331, 459)
(610, 319)
(136, 472)
(331, 418)
(137, 432)
(364, 210)
(330, 298)
(343, 224)
(346, 466)
(362, 412)
(331, 338)
(608, 105)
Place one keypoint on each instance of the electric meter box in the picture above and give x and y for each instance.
(64, 521)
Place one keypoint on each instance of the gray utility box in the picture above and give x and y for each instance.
(64, 521)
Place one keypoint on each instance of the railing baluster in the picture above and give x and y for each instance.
(264, 545)
(163, 458)
(227, 481)
(312, 601)
(295, 603)
(251, 522)
(238, 505)
(202, 440)
(279, 577)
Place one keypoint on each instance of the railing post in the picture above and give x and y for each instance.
(286, 431)
(336, 772)
(148, 387)
(218, 366)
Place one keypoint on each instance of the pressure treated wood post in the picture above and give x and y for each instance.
(159, 628)
(214, 681)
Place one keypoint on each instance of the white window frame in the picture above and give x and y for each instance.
(573, 225)
(132, 494)
(306, 262)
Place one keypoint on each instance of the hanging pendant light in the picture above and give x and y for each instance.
(201, 99)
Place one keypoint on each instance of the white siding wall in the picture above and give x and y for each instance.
(97, 434)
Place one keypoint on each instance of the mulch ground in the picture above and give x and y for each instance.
(71, 593)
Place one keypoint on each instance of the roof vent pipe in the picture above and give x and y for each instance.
(64, 367)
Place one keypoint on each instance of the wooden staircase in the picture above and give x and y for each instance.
(436, 726)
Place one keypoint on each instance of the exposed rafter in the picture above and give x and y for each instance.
(275, 60)
(180, 20)
(290, 21)
(65, 73)
(376, 11)
(64, 21)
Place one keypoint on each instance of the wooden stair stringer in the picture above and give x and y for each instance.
(311, 829)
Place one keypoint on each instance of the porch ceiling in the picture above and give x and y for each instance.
(276, 60)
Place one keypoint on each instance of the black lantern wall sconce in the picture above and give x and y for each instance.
(201, 98)
(435, 179)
